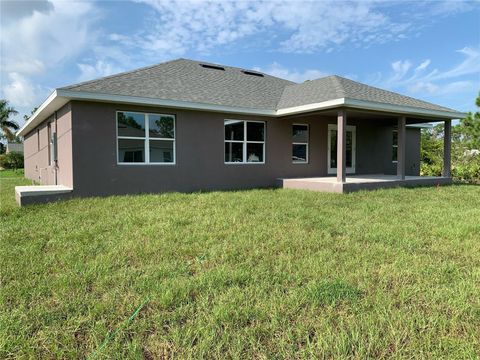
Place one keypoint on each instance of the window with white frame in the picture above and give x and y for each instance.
(145, 138)
(300, 143)
(244, 142)
(394, 145)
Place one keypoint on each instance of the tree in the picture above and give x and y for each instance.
(468, 131)
(7, 126)
(26, 117)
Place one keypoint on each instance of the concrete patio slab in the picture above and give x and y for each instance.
(361, 182)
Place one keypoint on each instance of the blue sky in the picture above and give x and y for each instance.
(425, 49)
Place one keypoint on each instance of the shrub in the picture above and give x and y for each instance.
(467, 170)
(12, 160)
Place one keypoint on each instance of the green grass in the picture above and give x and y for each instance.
(247, 274)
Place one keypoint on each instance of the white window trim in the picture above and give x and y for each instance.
(147, 139)
(353, 129)
(245, 142)
(395, 146)
(302, 143)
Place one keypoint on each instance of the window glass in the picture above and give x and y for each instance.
(161, 151)
(131, 150)
(233, 152)
(145, 138)
(300, 133)
(161, 126)
(131, 124)
(333, 148)
(299, 153)
(254, 152)
(349, 147)
(244, 148)
(234, 130)
(395, 146)
(255, 131)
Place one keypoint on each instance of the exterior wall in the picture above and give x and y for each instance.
(36, 151)
(412, 157)
(200, 152)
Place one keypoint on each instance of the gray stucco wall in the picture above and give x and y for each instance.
(87, 153)
(36, 150)
(200, 152)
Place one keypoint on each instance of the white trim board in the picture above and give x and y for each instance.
(60, 97)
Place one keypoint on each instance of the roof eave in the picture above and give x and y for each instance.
(60, 97)
(403, 109)
(46, 109)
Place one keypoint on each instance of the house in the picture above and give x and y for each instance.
(187, 125)
(14, 147)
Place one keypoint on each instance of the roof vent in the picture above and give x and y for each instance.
(253, 73)
(214, 67)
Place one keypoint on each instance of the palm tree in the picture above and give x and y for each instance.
(7, 126)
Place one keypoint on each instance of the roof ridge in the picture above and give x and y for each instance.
(119, 74)
(339, 89)
(67, 87)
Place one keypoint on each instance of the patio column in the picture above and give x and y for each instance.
(401, 148)
(341, 146)
(447, 148)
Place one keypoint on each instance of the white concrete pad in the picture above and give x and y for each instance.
(39, 190)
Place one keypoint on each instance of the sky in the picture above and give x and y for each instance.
(425, 49)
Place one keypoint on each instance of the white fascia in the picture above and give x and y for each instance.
(401, 109)
(60, 97)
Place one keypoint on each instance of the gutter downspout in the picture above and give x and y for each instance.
(55, 149)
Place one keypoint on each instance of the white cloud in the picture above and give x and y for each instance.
(301, 27)
(278, 70)
(21, 92)
(400, 68)
(417, 80)
(423, 65)
(99, 69)
(46, 38)
(430, 88)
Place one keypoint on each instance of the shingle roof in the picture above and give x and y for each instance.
(336, 87)
(187, 80)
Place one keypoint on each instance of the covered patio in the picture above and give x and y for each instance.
(361, 182)
(340, 182)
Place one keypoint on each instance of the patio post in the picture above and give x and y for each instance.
(341, 145)
(401, 148)
(447, 148)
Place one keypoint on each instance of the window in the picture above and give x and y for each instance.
(145, 138)
(300, 144)
(244, 141)
(394, 145)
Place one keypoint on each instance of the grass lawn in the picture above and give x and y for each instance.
(248, 274)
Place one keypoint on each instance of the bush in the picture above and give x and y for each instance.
(467, 170)
(12, 160)
(464, 169)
